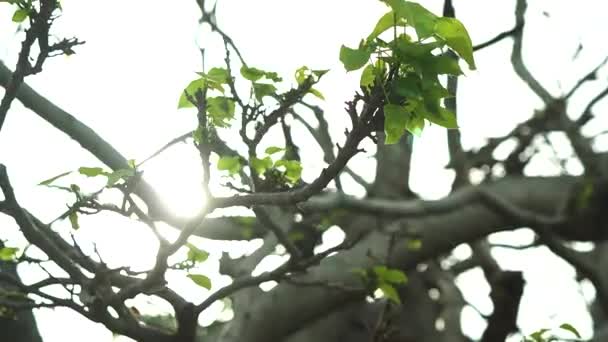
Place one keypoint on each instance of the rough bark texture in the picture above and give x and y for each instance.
(19, 325)
(324, 297)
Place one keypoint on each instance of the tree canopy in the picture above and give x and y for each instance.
(393, 276)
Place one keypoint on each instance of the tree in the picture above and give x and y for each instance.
(395, 242)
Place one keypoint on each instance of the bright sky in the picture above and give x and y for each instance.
(125, 82)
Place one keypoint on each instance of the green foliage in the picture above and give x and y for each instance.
(49, 181)
(118, 175)
(8, 253)
(304, 72)
(20, 15)
(201, 280)
(73, 217)
(196, 255)
(387, 279)
(413, 93)
(568, 327)
(230, 164)
(293, 169)
(260, 165)
(220, 110)
(261, 90)
(456, 37)
(91, 171)
(191, 89)
(286, 171)
(354, 59)
(389, 291)
(218, 75)
(254, 74)
(544, 335)
(368, 76)
(273, 149)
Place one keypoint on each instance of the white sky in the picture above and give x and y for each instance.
(125, 82)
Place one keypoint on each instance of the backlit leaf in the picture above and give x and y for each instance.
(354, 59)
(230, 164)
(456, 37)
(262, 89)
(395, 122)
(390, 292)
(73, 216)
(8, 253)
(201, 280)
(52, 179)
(221, 110)
(367, 77)
(91, 171)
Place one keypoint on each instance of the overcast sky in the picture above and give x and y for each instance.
(139, 54)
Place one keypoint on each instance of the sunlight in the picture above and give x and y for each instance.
(180, 187)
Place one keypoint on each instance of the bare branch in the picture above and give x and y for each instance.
(517, 57)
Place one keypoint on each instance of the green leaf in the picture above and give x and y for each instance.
(320, 73)
(416, 51)
(273, 149)
(386, 21)
(73, 216)
(196, 254)
(221, 110)
(252, 74)
(415, 125)
(273, 76)
(389, 292)
(191, 89)
(456, 37)
(395, 277)
(354, 59)
(442, 64)
(260, 165)
(201, 280)
(121, 174)
(407, 87)
(538, 335)
(255, 74)
(443, 118)
(302, 74)
(386, 275)
(230, 164)
(219, 75)
(20, 15)
(261, 90)
(421, 19)
(52, 179)
(293, 169)
(380, 270)
(395, 122)
(367, 77)
(91, 171)
(316, 93)
(8, 253)
(570, 328)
